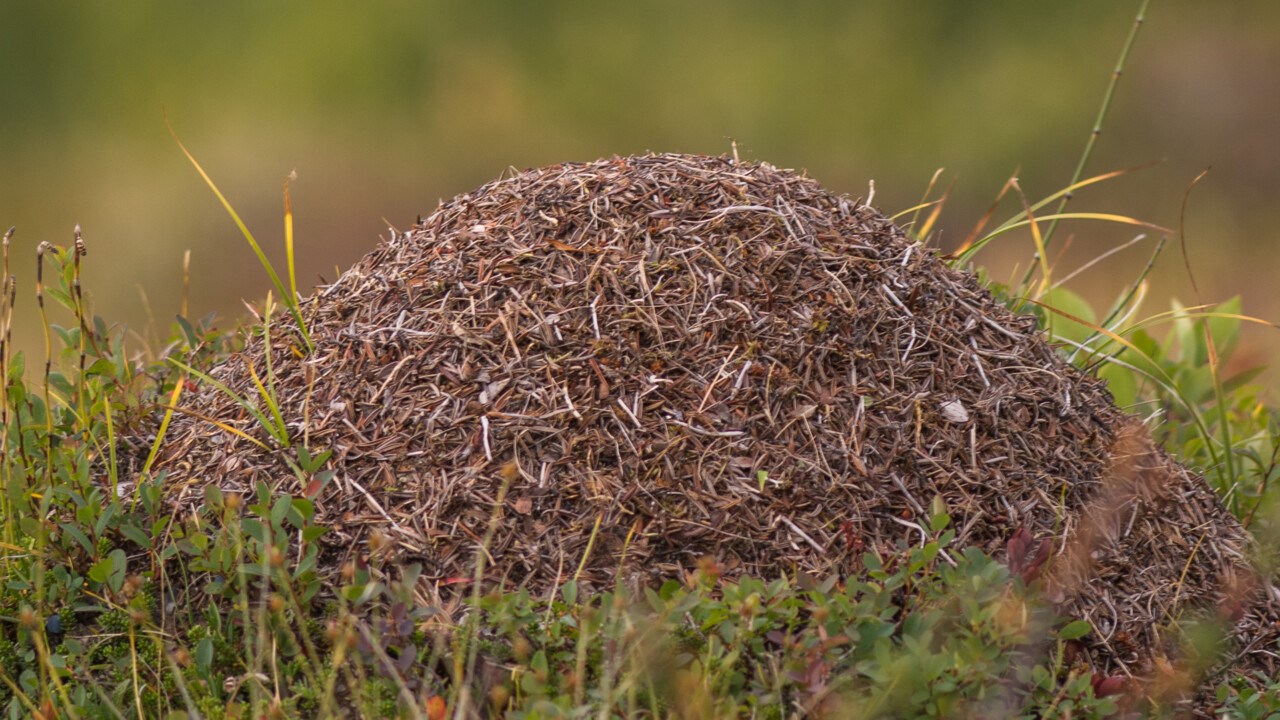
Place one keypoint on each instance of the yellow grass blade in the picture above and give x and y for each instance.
(923, 232)
(1036, 237)
(913, 208)
(288, 239)
(164, 423)
(200, 416)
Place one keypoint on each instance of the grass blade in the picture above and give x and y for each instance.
(248, 236)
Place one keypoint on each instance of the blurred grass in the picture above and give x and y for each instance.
(384, 109)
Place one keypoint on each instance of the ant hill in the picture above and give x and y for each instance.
(625, 367)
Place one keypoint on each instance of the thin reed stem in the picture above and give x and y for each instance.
(1096, 130)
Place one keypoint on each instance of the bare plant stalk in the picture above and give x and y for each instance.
(41, 249)
(6, 319)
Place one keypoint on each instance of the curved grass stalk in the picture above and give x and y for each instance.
(914, 208)
(279, 431)
(976, 232)
(1013, 225)
(288, 239)
(1118, 326)
(269, 391)
(1085, 267)
(928, 190)
(1134, 287)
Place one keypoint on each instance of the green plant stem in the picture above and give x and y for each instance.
(1097, 128)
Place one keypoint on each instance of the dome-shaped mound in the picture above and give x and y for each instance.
(670, 357)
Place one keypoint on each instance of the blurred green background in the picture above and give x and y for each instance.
(384, 108)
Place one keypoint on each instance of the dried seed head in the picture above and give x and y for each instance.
(498, 697)
(378, 542)
(709, 567)
(28, 618)
(510, 471)
(521, 649)
(132, 584)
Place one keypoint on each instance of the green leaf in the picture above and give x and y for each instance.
(302, 511)
(101, 366)
(254, 529)
(1075, 630)
(78, 535)
(31, 527)
(1068, 302)
(108, 514)
(204, 654)
(1225, 330)
(1121, 383)
(101, 570)
(213, 496)
(119, 564)
(279, 510)
(188, 332)
(939, 519)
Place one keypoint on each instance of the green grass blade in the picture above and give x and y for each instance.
(248, 236)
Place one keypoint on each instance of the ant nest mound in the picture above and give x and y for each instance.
(634, 364)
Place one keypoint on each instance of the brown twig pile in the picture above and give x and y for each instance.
(670, 357)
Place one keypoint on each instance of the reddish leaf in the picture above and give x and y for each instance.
(1026, 558)
(1105, 686)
